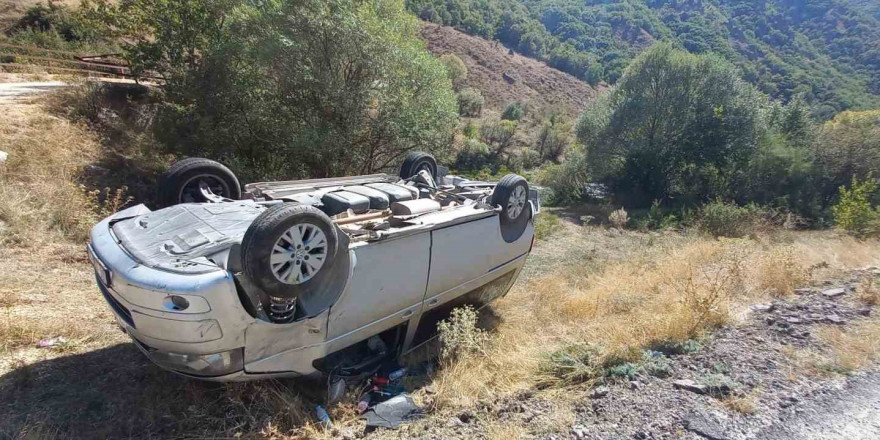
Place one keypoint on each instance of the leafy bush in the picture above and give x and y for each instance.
(513, 112)
(853, 212)
(470, 103)
(619, 218)
(498, 134)
(474, 155)
(291, 89)
(723, 219)
(546, 225)
(554, 137)
(458, 71)
(459, 335)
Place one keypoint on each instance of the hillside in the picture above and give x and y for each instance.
(534, 82)
(825, 50)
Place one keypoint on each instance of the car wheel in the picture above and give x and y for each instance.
(418, 161)
(183, 180)
(287, 249)
(512, 195)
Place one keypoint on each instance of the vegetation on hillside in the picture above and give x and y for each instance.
(827, 51)
(681, 130)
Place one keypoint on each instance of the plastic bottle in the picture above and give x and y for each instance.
(397, 374)
(323, 417)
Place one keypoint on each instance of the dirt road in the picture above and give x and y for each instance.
(19, 89)
(849, 413)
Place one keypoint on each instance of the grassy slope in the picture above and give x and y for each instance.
(538, 85)
(582, 284)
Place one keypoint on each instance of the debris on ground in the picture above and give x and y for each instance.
(51, 342)
(393, 412)
(3, 156)
(323, 417)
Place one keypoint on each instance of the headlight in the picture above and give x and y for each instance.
(216, 364)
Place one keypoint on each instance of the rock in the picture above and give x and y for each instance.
(579, 432)
(766, 307)
(704, 427)
(793, 320)
(803, 291)
(599, 392)
(633, 385)
(454, 421)
(834, 319)
(640, 435)
(864, 311)
(689, 385)
(833, 293)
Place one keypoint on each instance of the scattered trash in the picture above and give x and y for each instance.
(51, 342)
(3, 156)
(364, 403)
(393, 412)
(323, 417)
(397, 374)
(335, 389)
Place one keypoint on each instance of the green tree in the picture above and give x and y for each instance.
(847, 146)
(677, 126)
(292, 89)
(853, 212)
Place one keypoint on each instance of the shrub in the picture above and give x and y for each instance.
(853, 212)
(722, 219)
(459, 335)
(498, 133)
(546, 225)
(474, 155)
(470, 103)
(458, 71)
(619, 218)
(524, 158)
(513, 112)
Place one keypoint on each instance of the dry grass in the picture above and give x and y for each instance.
(868, 291)
(41, 198)
(671, 295)
(745, 404)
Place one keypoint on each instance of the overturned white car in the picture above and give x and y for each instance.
(302, 277)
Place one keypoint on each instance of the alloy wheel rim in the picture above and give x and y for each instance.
(298, 254)
(516, 202)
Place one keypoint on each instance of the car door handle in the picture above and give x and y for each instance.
(433, 302)
(407, 314)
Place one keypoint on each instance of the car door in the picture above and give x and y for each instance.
(386, 288)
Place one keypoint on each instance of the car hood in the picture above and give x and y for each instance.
(182, 238)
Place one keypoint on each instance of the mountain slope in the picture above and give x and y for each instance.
(528, 81)
(825, 50)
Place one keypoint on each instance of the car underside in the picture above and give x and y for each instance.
(302, 277)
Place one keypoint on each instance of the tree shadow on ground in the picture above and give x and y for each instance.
(117, 392)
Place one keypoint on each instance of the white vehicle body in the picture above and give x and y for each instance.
(173, 278)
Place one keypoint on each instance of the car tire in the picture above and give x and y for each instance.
(512, 195)
(180, 183)
(288, 250)
(417, 161)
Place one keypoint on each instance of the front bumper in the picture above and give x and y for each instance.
(192, 324)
